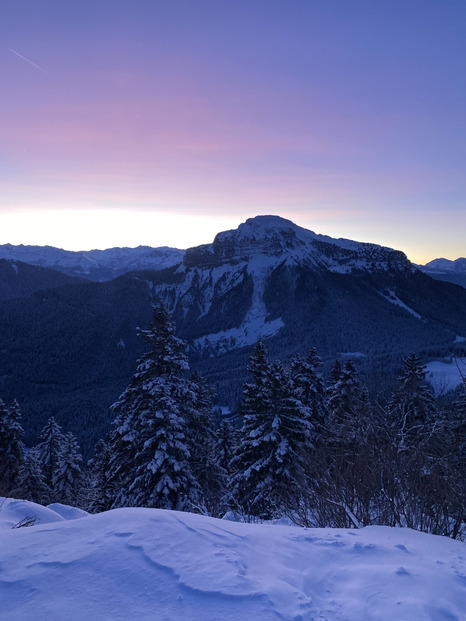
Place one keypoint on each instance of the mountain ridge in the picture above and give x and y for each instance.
(447, 270)
(97, 265)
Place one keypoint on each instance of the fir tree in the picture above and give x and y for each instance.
(66, 476)
(201, 440)
(150, 462)
(413, 405)
(351, 482)
(11, 446)
(100, 492)
(49, 448)
(309, 386)
(277, 432)
(31, 481)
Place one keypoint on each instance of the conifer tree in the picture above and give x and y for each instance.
(269, 464)
(49, 448)
(225, 446)
(11, 446)
(66, 475)
(31, 480)
(100, 492)
(412, 466)
(353, 467)
(201, 442)
(413, 405)
(150, 462)
(309, 386)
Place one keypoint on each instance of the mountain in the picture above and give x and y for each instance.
(19, 279)
(96, 265)
(449, 271)
(69, 351)
(151, 564)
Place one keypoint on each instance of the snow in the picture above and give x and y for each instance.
(151, 564)
(392, 297)
(254, 325)
(444, 375)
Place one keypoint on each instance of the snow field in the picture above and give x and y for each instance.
(150, 564)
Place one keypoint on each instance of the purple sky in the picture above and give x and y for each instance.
(163, 122)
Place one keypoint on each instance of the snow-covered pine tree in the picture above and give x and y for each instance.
(416, 428)
(226, 444)
(348, 403)
(11, 446)
(31, 481)
(309, 386)
(49, 447)
(99, 492)
(201, 441)
(351, 482)
(269, 464)
(66, 477)
(412, 406)
(150, 461)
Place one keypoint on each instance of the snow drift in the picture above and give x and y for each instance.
(164, 565)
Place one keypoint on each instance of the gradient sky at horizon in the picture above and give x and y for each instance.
(163, 122)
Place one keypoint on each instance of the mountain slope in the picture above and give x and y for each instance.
(19, 279)
(152, 564)
(96, 265)
(444, 269)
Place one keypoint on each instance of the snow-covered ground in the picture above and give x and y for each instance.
(149, 564)
(444, 375)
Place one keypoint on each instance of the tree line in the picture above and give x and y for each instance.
(321, 452)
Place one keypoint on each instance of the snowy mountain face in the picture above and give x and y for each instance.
(444, 269)
(99, 265)
(240, 269)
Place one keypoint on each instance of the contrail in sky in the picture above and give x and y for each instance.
(28, 61)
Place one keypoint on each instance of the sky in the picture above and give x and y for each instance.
(163, 122)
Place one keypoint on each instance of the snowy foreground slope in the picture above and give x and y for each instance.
(164, 565)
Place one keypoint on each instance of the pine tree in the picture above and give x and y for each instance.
(225, 446)
(353, 468)
(309, 386)
(49, 448)
(348, 403)
(66, 475)
(226, 442)
(413, 405)
(31, 481)
(269, 462)
(150, 462)
(413, 469)
(100, 492)
(11, 446)
(201, 441)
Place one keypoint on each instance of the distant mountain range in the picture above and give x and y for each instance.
(69, 348)
(444, 269)
(98, 265)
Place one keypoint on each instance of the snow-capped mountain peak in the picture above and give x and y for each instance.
(273, 236)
